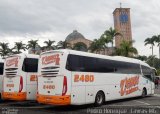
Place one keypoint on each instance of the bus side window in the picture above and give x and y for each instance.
(30, 65)
(1, 68)
(147, 72)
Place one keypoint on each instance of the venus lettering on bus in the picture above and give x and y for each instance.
(11, 62)
(51, 59)
(129, 85)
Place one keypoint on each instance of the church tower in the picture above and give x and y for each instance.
(122, 23)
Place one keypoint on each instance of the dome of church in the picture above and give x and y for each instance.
(74, 35)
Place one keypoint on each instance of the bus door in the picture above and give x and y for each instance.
(30, 68)
(31, 86)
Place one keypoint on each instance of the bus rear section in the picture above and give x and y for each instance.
(20, 77)
(1, 75)
(53, 81)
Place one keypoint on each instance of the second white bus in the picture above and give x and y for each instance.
(20, 77)
(1, 75)
(68, 77)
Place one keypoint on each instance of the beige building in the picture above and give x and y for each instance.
(78, 41)
(122, 23)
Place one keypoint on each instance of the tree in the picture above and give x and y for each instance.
(97, 45)
(4, 49)
(151, 42)
(157, 40)
(153, 61)
(33, 44)
(50, 45)
(105, 40)
(19, 46)
(111, 33)
(126, 49)
(63, 45)
(142, 58)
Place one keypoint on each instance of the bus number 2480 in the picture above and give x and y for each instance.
(83, 78)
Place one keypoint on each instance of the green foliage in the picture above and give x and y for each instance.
(158, 72)
(110, 34)
(153, 61)
(126, 49)
(33, 44)
(97, 45)
(157, 40)
(142, 58)
(150, 41)
(4, 49)
(19, 46)
(102, 43)
(49, 45)
(63, 45)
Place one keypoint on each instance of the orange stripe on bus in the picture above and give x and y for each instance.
(54, 100)
(21, 96)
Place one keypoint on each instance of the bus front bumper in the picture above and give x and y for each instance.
(21, 96)
(54, 100)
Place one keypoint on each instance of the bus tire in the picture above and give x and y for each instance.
(99, 99)
(144, 93)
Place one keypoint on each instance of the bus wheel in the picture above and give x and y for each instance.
(144, 92)
(100, 98)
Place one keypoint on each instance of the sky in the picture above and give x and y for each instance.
(22, 20)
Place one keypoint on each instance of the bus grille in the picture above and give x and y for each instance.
(11, 71)
(50, 71)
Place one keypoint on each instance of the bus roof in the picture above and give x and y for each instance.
(116, 58)
(25, 55)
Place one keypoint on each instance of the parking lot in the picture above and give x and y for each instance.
(148, 105)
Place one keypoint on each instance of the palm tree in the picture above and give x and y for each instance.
(49, 45)
(4, 49)
(151, 60)
(151, 42)
(111, 33)
(19, 46)
(97, 45)
(126, 49)
(33, 44)
(157, 40)
(105, 39)
(63, 45)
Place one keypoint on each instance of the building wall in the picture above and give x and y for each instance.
(85, 41)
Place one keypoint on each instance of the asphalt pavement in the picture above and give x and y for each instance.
(147, 105)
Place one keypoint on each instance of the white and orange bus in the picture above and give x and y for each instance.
(20, 77)
(1, 74)
(68, 77)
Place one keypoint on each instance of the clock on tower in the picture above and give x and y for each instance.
(123, 18)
